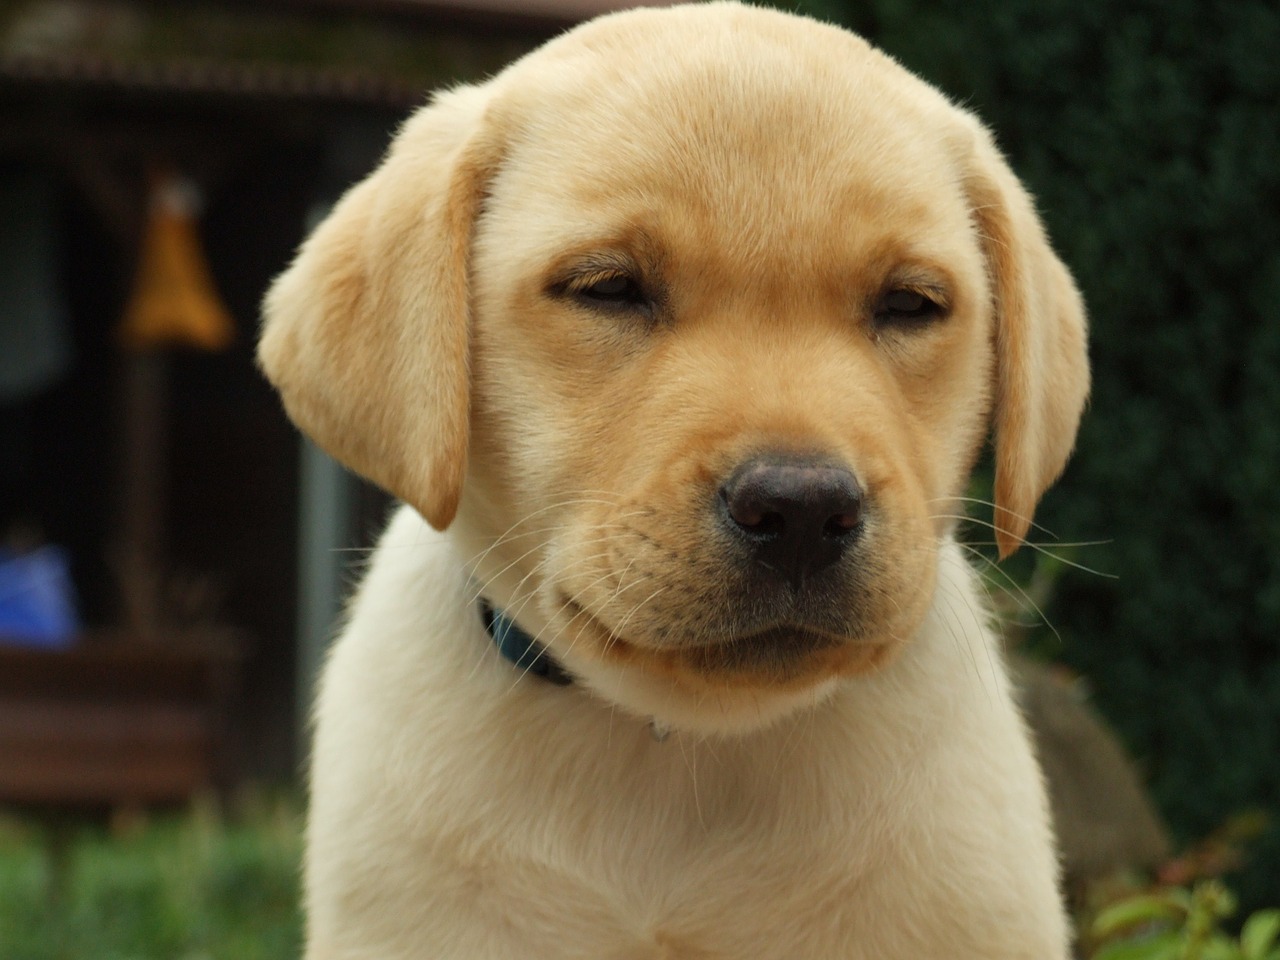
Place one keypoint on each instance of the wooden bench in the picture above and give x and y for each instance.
(114, 722)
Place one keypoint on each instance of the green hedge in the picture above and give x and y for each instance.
(1150, 134)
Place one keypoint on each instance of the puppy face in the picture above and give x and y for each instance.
(723, 302)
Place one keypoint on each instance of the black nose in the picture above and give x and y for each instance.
(798, 515)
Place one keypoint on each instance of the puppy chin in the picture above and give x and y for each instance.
(703, 709)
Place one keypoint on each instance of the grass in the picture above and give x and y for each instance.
(196, 886)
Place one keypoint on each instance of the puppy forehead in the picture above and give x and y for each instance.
(720, 129)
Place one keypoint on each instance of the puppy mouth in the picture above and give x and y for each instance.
(775, 650)
(778, 652)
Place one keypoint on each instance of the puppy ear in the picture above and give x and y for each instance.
(366, 333)
(1042, 367)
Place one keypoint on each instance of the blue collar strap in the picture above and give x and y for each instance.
(519, 648)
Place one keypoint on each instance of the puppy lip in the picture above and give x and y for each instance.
(784, 638)
(781, 656)
(801, 636)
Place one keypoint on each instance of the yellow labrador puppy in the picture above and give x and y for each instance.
(679, 339)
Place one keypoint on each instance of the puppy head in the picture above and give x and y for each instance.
(702, 315)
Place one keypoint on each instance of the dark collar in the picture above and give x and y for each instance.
(521, 649)
(529, 656)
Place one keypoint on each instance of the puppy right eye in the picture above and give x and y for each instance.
(905, 307)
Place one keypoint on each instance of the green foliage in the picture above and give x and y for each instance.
(1181, 924)
(191, 888)
(1148, 132)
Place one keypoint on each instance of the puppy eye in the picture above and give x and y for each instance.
(618, 289)
(610, 290)
(904, 306)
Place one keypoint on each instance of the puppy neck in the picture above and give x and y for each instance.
(531, 657)
(522, 650)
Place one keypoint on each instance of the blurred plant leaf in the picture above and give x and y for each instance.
(1167, 906)
(1259, 934)
(1163, 946)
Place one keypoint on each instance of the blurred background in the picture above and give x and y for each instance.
(172, 556)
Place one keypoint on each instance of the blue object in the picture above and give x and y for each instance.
(36, 599)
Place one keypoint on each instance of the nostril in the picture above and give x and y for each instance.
(842, 524)
(750, 512)
(761, 524)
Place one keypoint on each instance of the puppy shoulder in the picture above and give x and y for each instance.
(412, 566)
(405, 617)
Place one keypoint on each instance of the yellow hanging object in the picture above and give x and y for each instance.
(173, 300)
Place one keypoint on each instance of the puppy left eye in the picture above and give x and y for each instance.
(610, 291)
(619, 289)
(906, 306)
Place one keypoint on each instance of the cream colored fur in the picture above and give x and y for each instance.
(766, 181)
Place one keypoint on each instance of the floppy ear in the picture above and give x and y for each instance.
(366, 333)
(1042, 366)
